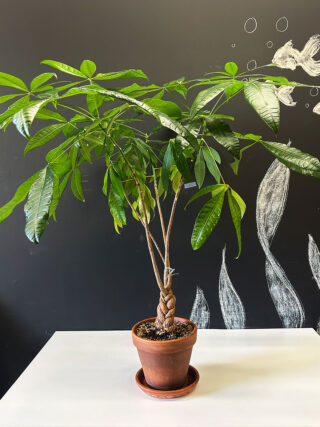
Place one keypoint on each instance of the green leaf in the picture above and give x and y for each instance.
(166, 165)
(94, 102)
(88, 68)
(73, 156)
(264, 101)
(240, 201)
(223, 134)
(39, 80)
(249, 136)
(85, 151)
(64, 68)
(207, 95)
(12, 81)
(14, 108)
(105, 183)
(23, 119)
(200, 169)
(126, 74)
(213, 189)
(5, 98)
(167, 107)
(45, 114)
(236, 218)
(136, 90)
(37, 207)
(116, 184)
(20, 195)
(231, 68)
(43, 136)
(59, 160)
(181, 161)
(233, 89)
(211, 164)
(116, 207)
(294, 159)
(207, 220)
(76, 184)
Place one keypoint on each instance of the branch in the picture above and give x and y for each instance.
(159, 208)
(141, 220)
(166, 278)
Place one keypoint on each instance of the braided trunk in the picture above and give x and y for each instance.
(165, 310)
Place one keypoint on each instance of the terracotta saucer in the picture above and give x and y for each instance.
(191, 382)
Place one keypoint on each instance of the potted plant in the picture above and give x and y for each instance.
(142, 167)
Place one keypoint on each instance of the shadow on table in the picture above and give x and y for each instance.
(219, 376)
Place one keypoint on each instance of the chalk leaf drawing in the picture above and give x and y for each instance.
(200, 313)
(231, 306)
(271, 201)
(284, 95)
(316, 108)
(288, 57)
(314, 259)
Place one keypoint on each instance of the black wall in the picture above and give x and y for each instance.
(83, 275)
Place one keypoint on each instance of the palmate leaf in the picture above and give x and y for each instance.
(37, 207)
(223, 134)
(12, 81)
(200, 169)
(168, 161)
(23, 119)
(64, 68)
(14, 108)
(76, 185)
(213, 189)
(88, 68)
(126, 74)
(181, 161)
(163, 118)
(40, 80)
(19, 197)
(294, 159)
(211, 159)
(236, 218)
(207, 220)
(43, 136)
(264, 101)
(207, 95)
(167, 107)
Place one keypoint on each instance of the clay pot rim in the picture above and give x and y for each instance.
(181, 339)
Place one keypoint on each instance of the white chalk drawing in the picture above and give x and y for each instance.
(269, 44)
(288, 57)
(316, 108)
(250, 25)
(231, 306)
(251, 65)
(200, 313)
(271, 201)
(307, 105)
(284, 95)
(282, 24)
(233, 45)
(314, 259)
(314, 91)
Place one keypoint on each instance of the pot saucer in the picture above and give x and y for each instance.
(191, 382)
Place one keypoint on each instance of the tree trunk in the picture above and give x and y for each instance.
(165, 310)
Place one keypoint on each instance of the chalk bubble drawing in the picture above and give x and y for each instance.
(284, 95)
(269, 44)
(271, 201)
(231, 306)
(251, 65)
(307, 105)
(200, 313)
(233, 45)
(314, 91)
(250, 25)
(288, 57)
(316, 108)
(282, 24)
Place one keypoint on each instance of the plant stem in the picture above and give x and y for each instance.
(159, 207)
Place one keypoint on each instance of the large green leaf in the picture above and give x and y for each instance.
(213, 189)
(37, 207)
(211, 163)
(45, 114)
(223, 134)
(88, 68)
(23, 119)
(163, 118)
(116, 184)
(200, 169)
(12, 81)
(64, 68)
(181, 161)
(207, 95)
(167, 107)
(126, 74)
(76, 184)
(43, 136)
(263, 99)
(207, 220)
(14, 108)
(39, 80)
(166, 165)
(58, 158)
(236, 218)
(231, 68)
(294, 159)
(116, 207)
(5, 98)
(20, 195)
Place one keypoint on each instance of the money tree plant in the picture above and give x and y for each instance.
(84, 120)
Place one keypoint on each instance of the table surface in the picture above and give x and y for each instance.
(265, 377)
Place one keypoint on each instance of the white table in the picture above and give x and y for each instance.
(268, 377)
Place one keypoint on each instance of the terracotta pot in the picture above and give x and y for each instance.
(165, 364)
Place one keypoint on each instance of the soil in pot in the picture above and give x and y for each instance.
(149, 331)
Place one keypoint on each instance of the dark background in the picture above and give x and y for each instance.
(83, 275)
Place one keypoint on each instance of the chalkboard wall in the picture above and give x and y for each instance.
(83, 275)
